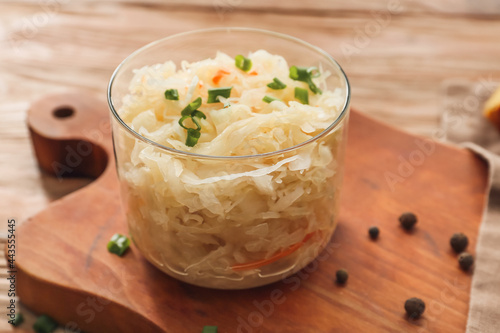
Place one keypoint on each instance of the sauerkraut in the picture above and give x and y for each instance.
(236, 212)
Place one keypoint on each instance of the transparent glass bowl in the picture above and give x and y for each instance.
(252, 238)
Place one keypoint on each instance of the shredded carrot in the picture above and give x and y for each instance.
(219, 74)
(277, 256)
(200, 84)
(253, 73)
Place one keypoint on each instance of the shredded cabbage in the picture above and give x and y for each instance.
(198, 217)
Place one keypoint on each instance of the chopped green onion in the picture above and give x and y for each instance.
(172, 94)
(198, 114)
(209, 329)
(227, 104)
(269, 99)
(18, 319)
(276, 84)
(213, 94)
(243, 63)
(198, 126)
(181, 121)
(192, 136)
(190, 111)
(300, 73)
(191, 107)
(45, 324)
(305, 74)
(314, 88)
(118, 244)
(302, 95)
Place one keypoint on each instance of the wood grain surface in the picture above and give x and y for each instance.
(130, 295)
(396, 73)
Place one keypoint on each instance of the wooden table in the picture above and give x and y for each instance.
(398, 55)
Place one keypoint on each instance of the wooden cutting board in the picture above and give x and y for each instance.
(65, 270)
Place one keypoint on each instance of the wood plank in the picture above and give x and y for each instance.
(299, 7)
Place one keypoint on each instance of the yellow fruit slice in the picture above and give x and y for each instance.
(491, 108)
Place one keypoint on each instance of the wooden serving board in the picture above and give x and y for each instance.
(65, 270)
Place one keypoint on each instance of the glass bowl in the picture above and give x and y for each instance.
(229, 222)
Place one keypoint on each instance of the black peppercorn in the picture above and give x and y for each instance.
(342, 276)
(459, 242)
(414, 307)
(373, 231)
(465, 260)
(408, 220)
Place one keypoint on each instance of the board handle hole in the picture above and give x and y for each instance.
(63, 112)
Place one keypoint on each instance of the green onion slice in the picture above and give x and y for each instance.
(191, 107)
(314, 88)
(209, 329)
(302, 95)
(192, 136)
(305, 74)
(276, 84)
(198, 114)
(190, 111)
(243, 63)
(45, 324)
(172, 94)
(269, 99)
(181, 121)
(195, 121)
(213, 94)
(118, 244)
(299, 73)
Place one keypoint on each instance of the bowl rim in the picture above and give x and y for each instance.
(343, 114)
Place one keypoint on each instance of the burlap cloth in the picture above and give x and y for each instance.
(463, 123)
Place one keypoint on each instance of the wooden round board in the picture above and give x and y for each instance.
(65, 270)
